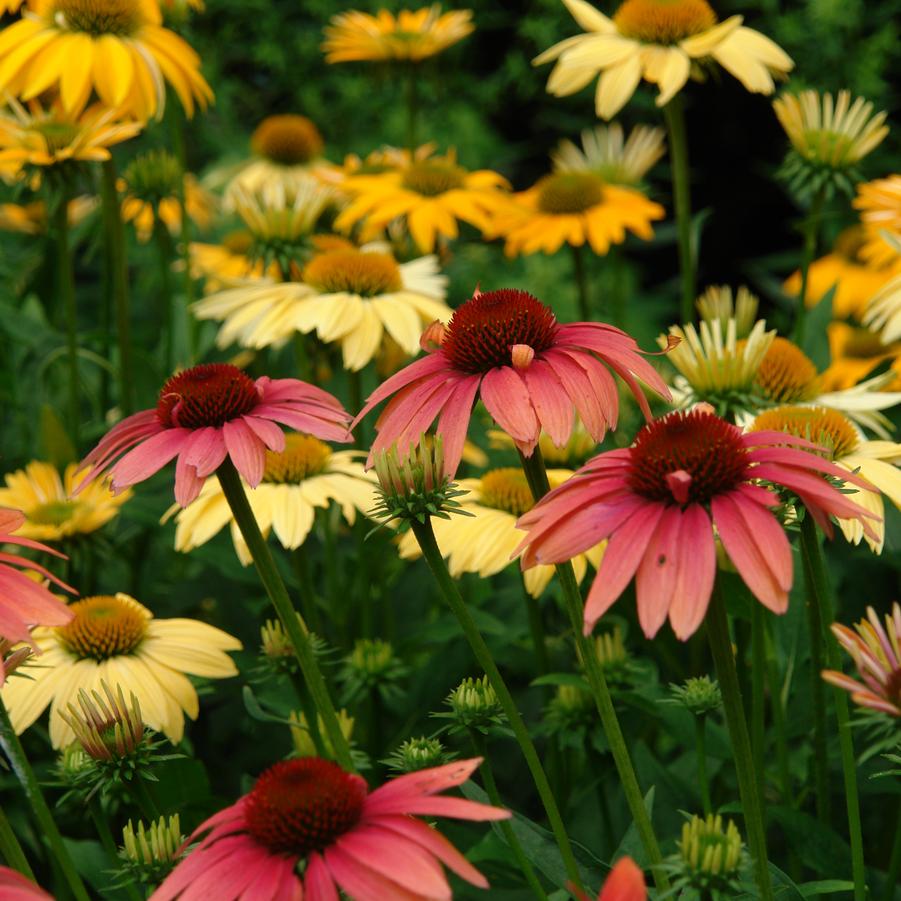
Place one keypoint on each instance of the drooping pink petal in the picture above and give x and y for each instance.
(421, 368)
(10, 521)
(603, 384)
(205, 450)
(24, 563)
(550, 401)
(655, 578)
(33, 602)
(206, 860)
(453, 423)
(361, 883)
(318, 882)
(696, 572)
(188, 483)
(579, 389)
(246, 451)
(147, 458)
(267, 431)
(423, 782)
(507, 399)
(119, 439)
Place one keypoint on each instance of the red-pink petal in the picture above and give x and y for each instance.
(550, 401)
(696, 572)
(507, 399)
(453, 423)
(426, 366)
(625, 883)
(318, 882)
(361, 883)
(655, 578)
(147, 458)
(246, 451)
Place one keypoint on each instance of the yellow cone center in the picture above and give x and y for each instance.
(569, 192)
(827, 428)
(664, 21)
(786, 373)
(103, 627)
(98, 17)
(353, 272)
(303, 456)
(288, 140)
(506, 489)
(433, 177)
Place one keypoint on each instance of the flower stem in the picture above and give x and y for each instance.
(701, 751)
(810, 229)
(536, 475)
(10, 849)
(412, 98)
(109, 845)
(15, 754)
(487, 774)
(581, 283)
(819, 593)
(894, 863)
(536, 627)
(778, 713)
(115, 235)
(674, 113)
(164, 254)
(293, 624)
(758, 682)
(309, 607)
(748, 788)
(426, 538)
(66, 289)
(144, 799)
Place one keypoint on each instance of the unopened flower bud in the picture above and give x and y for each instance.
(700, 695)
(418, 754)
(474, 705)
(150, 853)
(106, 729)
(710, 854)
(303, 742)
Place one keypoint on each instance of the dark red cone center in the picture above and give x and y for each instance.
(206, 395)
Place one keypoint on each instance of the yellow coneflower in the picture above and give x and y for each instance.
(605, 152)
(662, 41)
(484, 542)
(31, 218)
(51, 511)
(306, 476)
(429, 195)
(411, 35)
(875, 461)
(117, 48)
(227, 263)
(116, 639)
(854, 353)
(879, 203)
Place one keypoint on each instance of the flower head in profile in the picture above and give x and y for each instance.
(24, 602)
(658, 503)
(369, 845)
(829, 137)
(152, 184)
(662, 41)
(574, 208)
(484, 541)
(352, 297)
(307, 475)
(876, 652)
(876, 462)
(116, 48)
(605, 152)
(507, 348)
(625, 883)
(410, 36)
(117, 639)
(51, 512)
(206, 414)
(429, 195)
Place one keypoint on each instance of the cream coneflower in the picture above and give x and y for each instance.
(574, 208)
(227, 263)
(117, 48)
(662, 41)
(484, 541)
(410, 36)
(429, 195)
(34, 135)
(116, 639)
(879, 203)
(51, 512)
(874, 461)
(718, 303)
(307, 475)
(604, 152)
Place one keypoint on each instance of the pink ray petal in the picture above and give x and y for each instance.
(205, 450)
(550, 401)
(425, 366)
(10, 521)
(34, 603)
(267, 431)
(423, 782)
(625, 883)
(507, 400)
(361, 883)
(24, 563)
(453, 423)
(305, 422)
(147, 458)
(579, 389)
(188, 483)
(318, 882)
(655, 578)
(602, 382)
(696, 572)
(246, 450)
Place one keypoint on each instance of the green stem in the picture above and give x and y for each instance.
(15, 754)
(293, 625)
(581, 277)
(412, 103)
(810, 229)
(66, 291)
(536, 627)
(309, 714)
(748, 789)
(894, 864)
(176, 125)
(355, 398)
(758, 681)
(487, 774)
(10, 849)
(308, 604)
(536, 475)
(109, 845)
(144, 799)
(674, 113)
(302, 360)
(119, 283)
(701, 751)
(778, 713)
(426, 538)
(164, 254)
(815, 569)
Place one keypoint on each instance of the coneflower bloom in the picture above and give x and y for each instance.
(205, 414)
(658, 502)
(367, 844)
(507, 348)
(876, 652)
(23, 601)
(625, 883)
(606, 152)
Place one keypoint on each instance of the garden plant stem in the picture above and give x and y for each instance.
(66, 290)
(536, 475)
(778, 713)
(10, 849)
(294, 626)
(15, 754)
(426, 538)
(164, 255)
(412, 104)
(674, 113)
(487, 774)
(536, 627)
(758, 682)
(109, 844)
(581, 277)
(701, 751)
(308, 606)
(894, 864)
(748, 787)
(810, 229)
(820, 596)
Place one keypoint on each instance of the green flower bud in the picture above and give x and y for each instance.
(711, 856)
(700, 695)
(418, 754)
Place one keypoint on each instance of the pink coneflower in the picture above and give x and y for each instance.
(655, 501)
(625, 883)
(529, 371)
(24, 602)
(210, 412)
(309, 810)
(16, 887)
(877, 655)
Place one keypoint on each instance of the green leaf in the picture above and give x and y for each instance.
(825, 887)
(818, 846)
(631, 844)
(252, 706)
(56, 445)
(816, 342)
(573, 679)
